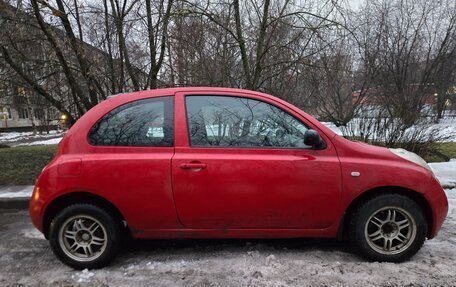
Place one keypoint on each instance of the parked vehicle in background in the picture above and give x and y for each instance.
(227, 163)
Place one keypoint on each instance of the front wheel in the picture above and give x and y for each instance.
(84, 236)
(388, 227)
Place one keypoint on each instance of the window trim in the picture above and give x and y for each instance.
(171, 118)
(240, 147)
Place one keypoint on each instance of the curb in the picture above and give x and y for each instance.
(14, 203)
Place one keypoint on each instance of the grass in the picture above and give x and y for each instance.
(22, 165)
(443, 152)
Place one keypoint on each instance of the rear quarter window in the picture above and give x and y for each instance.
(147, 122)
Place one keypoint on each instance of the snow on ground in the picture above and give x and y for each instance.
(83, 277)
(445, 172)
(445, 129)
(41, 142)
(17, 136)
(14, 139)
(13, 136)
(33, 233)
(333, 127)
(446, 126)
(18, 191)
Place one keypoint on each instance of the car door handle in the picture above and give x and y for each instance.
(193, 165)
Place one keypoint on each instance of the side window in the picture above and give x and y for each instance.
(232, 121)
(146, 122)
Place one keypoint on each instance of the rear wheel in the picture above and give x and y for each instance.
(388, 227)
(85, 236)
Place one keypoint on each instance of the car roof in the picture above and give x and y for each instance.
(173, 90)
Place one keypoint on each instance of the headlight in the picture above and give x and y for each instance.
(410, 156)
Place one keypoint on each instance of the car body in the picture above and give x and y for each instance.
(202, 167)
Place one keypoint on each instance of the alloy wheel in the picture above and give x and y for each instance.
(390, 230)
(83, 238)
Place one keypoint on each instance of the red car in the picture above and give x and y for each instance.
(227, 163)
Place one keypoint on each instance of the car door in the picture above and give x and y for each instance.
(241, 163)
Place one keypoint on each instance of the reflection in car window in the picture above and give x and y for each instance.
(146, 122)
(233, 121)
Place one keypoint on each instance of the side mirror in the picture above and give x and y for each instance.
(312, 138)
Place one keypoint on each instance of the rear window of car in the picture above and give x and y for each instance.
(147, 122)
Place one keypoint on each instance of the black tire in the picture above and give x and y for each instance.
(377, 236)
(75, 221)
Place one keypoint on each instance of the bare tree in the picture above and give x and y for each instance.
(412, 54)
(387, 60)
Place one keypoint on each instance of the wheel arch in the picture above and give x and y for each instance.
(63, 201)
(412, 194)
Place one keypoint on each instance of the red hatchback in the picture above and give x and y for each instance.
(227, 163)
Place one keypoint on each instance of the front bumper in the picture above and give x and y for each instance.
(439, 206)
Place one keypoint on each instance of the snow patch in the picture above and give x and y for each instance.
(445, 129)
(18, 136)
(14, 136)
(333, 127)
(83, 277)
(41, 142)
(33, 234)
(20, 191)
(152, 265)
(445, 172)
(270, 259)
(19, 194)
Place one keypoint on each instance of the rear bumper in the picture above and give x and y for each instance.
(439, 206)
(36, 209)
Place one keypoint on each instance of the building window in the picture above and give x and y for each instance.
(56, 114)
(39, 114)
(23, 113)
(5, 113)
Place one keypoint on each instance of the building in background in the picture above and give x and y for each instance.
(21, 106)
